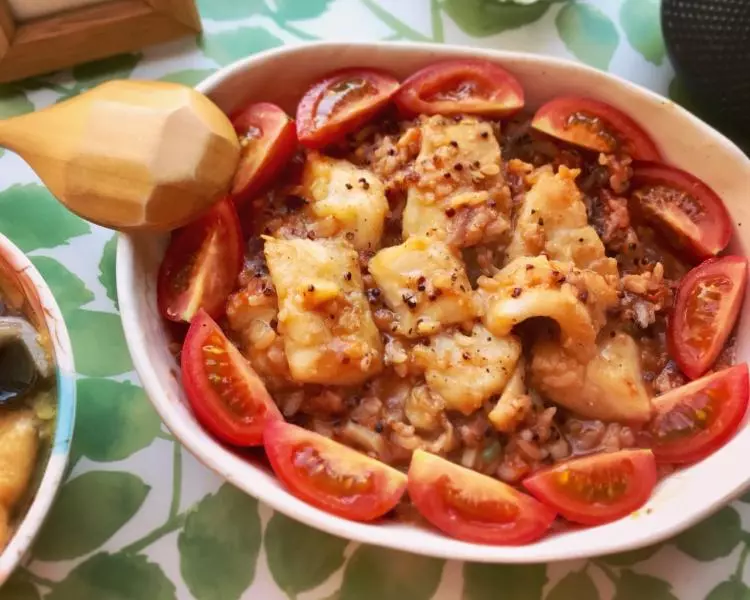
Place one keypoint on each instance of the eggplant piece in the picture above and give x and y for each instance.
(23, 360)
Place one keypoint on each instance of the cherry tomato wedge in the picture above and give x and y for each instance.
(201, 265)
(268, 140)
(594, 125)
(453, 87)
(682, 207)
(597, 489)
(474, 507)
(225, 393)
(706, 308)
(341, 103)
(693, 420)
(331, 476)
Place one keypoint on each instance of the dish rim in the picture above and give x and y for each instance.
(39, 293)
(219, 459)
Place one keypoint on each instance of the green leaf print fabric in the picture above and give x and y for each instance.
(115, 420)
(20, 208)
(76, 526)
(138, 517)
(588, 33)
(374, 573)
(115, 577)
(576, 585)
(219, 545)
(482, 18)
(301, 558)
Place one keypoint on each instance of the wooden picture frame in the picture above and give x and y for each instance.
(89, 33)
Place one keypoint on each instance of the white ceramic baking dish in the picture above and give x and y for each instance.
(281, 76)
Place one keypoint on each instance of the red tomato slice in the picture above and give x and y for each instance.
(597, 489)
(452, 87)
(694, 420)
(268, 140)
(226, 394)
(684, 208)
(341, 103)
(474, 507)
(201, 265)
(331, 476)
(594, 125)
(706, 308)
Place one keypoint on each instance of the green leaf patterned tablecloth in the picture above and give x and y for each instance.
(139, 518)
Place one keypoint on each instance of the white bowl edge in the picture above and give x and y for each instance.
(280, 76)
(54, 470)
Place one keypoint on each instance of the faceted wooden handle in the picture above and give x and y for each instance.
(130, 154)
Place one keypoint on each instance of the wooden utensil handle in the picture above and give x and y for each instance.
(130, 154)
(12, 133)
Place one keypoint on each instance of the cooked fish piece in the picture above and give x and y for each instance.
(466, 370)
(608, 387)
(353, 199)
(552, 220)
(460, 196)
(424, 282)
(514, 403)
(324, 317)
(577, 299)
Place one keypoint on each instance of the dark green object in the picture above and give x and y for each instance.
(708, 42)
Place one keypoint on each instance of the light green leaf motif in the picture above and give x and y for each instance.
(399, 27)
(70, 292)
(734, 589)
(520, 582)
(191, 77)
(378, 574)
(227, 46)
(115, 577)
(713, 538)
(98, 343)
(294, 10)
(17, 588)
(219, 545)
(300, 558)
(641, 20)
(13, 101)
(113, 420)
(107, 269)
(627, 559)
(230, 10)
(116, 67)
(574, 586)
(588, 33)
(481, 18)
(634, 586)
(20, 210)
(89, 510)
